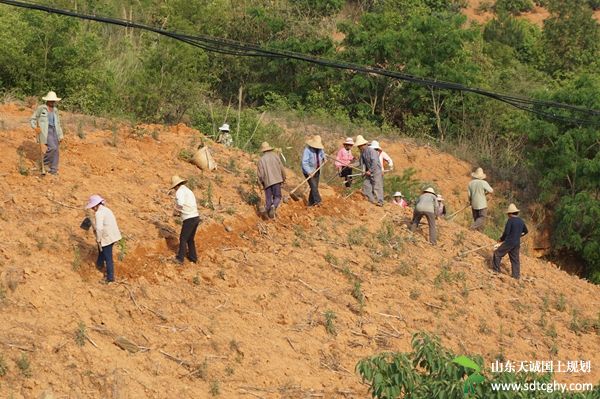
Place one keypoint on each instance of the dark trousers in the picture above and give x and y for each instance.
(513, 254)
(417, 216)
(106, 256)
(479, 216)
(314, 198)
(272, 196)
(186, 239)
(345, 172)
(51, 156)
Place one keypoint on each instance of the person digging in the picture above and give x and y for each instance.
(271, 175)
(343, 161)
(478, 189)
(372, 170)
(427, 206)
(313, 158)
(187, 208)
(510, 242)
(107, 233)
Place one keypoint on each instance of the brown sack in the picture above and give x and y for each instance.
(204, 160)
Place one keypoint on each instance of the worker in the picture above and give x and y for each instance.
(510, 242)
(107, 233)
(343, 161)
(187, 208)
(313, 158)
(441, 207)
(224, 135)
(398, 199)
(384, 158)
(372, 170)
(478, 189)
(271, 174)
(46, 122)
(427, 206)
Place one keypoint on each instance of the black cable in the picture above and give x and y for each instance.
(236, 48)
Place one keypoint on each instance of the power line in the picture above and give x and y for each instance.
(546, 109)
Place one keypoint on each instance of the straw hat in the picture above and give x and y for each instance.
(176, 180)
(51, 96)
(349, 141)
(360, 141)
(439, 197)
(397, 194)
(478, 174)
(93, 201)
(224, 127)
(429, 190)
(314, 142)
(375, 145)
(264, 147)
(512, 208)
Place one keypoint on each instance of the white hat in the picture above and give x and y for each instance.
(429, 190)
(224, 128)
(397, 194)
(93, 201)
(176, 180)
(349, 141)
(512, 208)
(51, 96)
(478, 174)
(360, 140)
(375, 145)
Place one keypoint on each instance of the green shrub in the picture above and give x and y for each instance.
(514, 6)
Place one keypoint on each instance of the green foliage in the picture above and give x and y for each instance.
(3, 366)
(404, 183)
(513, 6)
(330, 317)
(24, 365)
(320, 7)
(80, 334)
(356, 236)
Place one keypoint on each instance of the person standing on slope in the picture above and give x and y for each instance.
(46, 122)
(369, 161)
(427, 206)
(344, 159)
(384, 158)
(271, 174)
(186, 207)
(313, 158)
(478, 189)
(107, 233)
(510, 242)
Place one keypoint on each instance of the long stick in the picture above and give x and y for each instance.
(349, 166)
(476, 249)
(457, 212)
(309, 177)
(255, 129)
(237, 133)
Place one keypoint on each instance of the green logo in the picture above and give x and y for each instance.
(473, 379)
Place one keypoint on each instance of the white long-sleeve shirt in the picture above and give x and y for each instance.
(383, 156)
(107, 231)
(186, 199)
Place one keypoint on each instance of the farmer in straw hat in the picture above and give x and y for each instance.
(312, 159)
(398, 199)
(224, 135)
(441, 207)
(478, 189)
(107, 233)
(46, 122)
(369, 160)
(510, 242)
(384, 158)
(427, 206)
(344, 159)
(186, 207)
(271, 175)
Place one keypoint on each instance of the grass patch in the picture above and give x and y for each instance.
(24, 365)
(561, 303)
(330, 317)
(80, 334)
(215, 388)
(358, 294)
(76, 263)
(3, 366)
(331, 259)
(357, 236)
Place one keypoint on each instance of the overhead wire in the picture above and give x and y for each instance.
(542, 108)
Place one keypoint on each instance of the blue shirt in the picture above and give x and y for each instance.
(51, 119)
(312, 158)
(514, 229)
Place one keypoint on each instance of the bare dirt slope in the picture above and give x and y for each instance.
(249, 319)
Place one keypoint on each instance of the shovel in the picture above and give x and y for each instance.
(462, 254)
(293, 195)
(457, 212)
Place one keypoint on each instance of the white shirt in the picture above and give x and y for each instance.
(187, 201)
(385, 157)
(107, 231)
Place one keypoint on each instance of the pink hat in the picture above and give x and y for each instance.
(93, 201)
(349, 141)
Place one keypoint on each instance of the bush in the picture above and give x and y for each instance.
(514, 7)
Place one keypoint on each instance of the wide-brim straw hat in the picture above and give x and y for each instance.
(224, 127)
(375, 145)
(397, 194)
(512, 208)
(93, 201)
(478, 174)
(429, 190)
(176, 180)
(315, 142)
(51, 96)
(264, 147)
(349, 141)
(360, 140)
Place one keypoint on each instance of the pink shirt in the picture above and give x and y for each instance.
(343, 158)
(402, 203)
